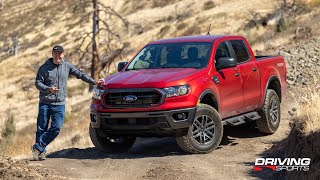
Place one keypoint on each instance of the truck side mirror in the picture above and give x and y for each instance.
(121, 65)
(226, 62)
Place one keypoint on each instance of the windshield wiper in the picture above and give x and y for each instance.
(135, 69)
(163, 67)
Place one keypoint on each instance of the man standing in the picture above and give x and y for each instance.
(51, 81)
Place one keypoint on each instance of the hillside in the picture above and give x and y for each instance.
(38, 25)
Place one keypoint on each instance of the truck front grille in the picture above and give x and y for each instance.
(126, 98)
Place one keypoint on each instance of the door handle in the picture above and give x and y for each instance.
(254, 69)
(237, 74)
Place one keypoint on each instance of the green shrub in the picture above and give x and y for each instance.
(284, 24)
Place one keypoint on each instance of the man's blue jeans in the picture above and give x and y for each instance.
(45, 136)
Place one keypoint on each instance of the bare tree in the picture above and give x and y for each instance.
(95, 28)
(104, 51)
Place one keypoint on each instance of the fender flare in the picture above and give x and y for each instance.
(211, 93)
(271, 78)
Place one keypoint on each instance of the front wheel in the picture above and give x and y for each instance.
(206, 132)
(270, 113)
(110, 144)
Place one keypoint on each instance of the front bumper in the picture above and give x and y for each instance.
(163, 120)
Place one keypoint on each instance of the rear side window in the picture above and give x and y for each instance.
(240, 50)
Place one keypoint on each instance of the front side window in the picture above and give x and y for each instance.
(173, 55)
(222, 51)
(240, 50)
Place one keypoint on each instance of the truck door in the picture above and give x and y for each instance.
(229, 83)
(249, 73)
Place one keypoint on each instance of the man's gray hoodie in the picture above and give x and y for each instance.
(50, 74)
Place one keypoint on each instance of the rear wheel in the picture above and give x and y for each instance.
(206, 132)
(110, 144)
(270, 113)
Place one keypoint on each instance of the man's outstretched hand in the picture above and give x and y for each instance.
(53, 89)
(100, 81)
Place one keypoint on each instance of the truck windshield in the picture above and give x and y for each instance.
(173, 55)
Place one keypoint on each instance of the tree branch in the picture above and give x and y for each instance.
(111, 58)
(113, 12)
(84, 53)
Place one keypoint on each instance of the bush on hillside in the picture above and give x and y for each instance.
(9, 128)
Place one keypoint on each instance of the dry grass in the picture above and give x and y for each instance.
(313, 3)
(77, 89)
(308, 113)
(304, 138)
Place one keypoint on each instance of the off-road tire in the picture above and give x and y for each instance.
(190, 144)
(105, 144)
(267, 124)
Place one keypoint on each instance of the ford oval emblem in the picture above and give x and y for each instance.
(130, 98)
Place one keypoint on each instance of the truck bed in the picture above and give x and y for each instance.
(258, 58)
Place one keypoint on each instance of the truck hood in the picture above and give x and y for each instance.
(152, 78)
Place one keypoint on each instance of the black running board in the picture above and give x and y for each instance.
(235, 121)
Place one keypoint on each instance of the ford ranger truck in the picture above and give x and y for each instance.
(189, 88)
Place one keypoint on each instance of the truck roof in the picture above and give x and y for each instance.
(201, 38)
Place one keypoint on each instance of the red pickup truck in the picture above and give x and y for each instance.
(189, 88)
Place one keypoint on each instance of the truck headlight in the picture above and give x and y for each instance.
(97, 93)
(177, 90)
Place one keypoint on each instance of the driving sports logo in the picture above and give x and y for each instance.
(278, 164)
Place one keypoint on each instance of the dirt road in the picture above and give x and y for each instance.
(161, 158)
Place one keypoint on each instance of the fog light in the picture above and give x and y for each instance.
(93, 118)
(180, 116)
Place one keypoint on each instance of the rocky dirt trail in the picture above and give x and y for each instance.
(161, 158)
(11, 169)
